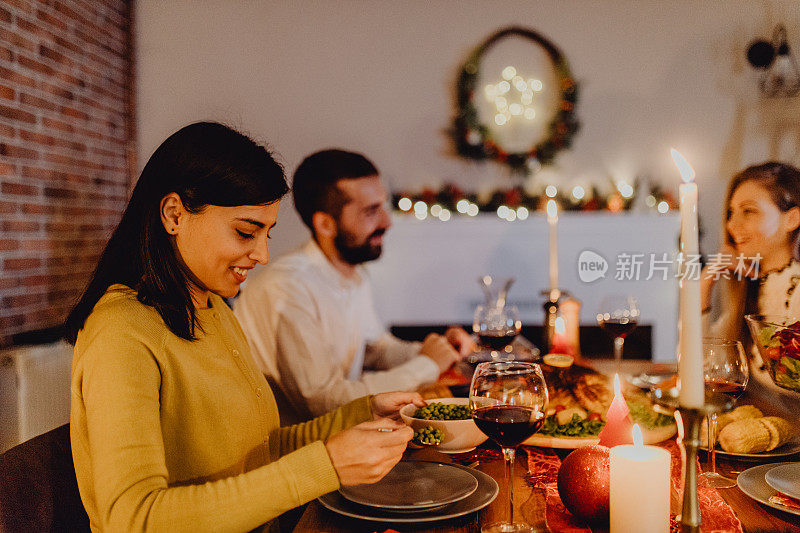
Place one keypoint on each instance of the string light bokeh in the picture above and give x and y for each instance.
(512, 96)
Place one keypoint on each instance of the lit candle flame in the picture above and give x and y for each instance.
(617, 385)
(552, 210)
(560, 325)
(686, 170)
(636, 433)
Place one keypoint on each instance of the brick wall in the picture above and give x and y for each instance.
(66, 151)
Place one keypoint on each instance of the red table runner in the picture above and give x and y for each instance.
(543, 465)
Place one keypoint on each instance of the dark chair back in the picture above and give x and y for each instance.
(38, 489)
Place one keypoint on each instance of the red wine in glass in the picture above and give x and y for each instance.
(618, 315)
(508, 401)
(618, 327)
(496, 340)
(731, 389)
(508, 425)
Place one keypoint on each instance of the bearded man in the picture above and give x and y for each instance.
(310, 317)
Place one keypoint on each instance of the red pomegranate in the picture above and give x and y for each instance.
(583, 483)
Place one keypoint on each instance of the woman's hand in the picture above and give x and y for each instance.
(460, 340)
(366, 452)
(388, 404)
(722, 265)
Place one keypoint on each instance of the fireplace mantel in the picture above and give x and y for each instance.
(429, 271)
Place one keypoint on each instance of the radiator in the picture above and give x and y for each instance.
(34, 391)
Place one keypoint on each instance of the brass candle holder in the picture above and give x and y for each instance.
(690, 419)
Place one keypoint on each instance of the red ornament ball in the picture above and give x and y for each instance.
(583, 483)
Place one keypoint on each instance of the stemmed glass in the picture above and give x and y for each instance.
(618, 316)
(508, 401)
(724, 370)
(496, 326)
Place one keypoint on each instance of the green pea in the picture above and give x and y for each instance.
(428, 435)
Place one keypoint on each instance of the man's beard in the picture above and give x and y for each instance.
(357, 253)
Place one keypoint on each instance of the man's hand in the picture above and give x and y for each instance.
(366, 452)
(437, 348)
(460, 340)
(388, 404)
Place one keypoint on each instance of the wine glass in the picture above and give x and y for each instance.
(496, 326)
(508, 401)
(725, 371)
(618, 316)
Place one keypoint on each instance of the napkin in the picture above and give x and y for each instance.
(543, 465)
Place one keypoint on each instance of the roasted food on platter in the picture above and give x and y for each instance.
(580, 397)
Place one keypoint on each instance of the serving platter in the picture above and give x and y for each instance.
(790, 448)
(650, 436)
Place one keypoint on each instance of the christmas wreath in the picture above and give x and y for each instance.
(474, 140)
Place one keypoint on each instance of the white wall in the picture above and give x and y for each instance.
(465, 249)
(378, 77)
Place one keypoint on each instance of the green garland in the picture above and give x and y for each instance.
(449, 195)
(474, 140)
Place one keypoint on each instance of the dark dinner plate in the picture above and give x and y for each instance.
(484, 495)
(414, 485)
(753, 483)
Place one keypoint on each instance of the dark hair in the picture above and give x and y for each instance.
(315, 182)
(205, 164)
(782, 181)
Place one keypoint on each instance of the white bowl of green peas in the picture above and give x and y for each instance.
(446, 423)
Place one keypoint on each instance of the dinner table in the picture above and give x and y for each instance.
(529, 500)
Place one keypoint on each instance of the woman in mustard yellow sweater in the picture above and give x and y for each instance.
(173, 427)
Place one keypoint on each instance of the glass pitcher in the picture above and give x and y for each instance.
(495, 290)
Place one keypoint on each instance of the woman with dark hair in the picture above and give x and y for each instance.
(172, 425)
(762, 220)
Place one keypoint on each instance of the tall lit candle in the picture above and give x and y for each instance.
(690, 357)
(639, 487)
(552, 220)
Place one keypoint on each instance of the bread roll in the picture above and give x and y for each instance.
(780, 430)
(748, 435)
(740, 413)
(754, 435)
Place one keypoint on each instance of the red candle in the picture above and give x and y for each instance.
(618, 420)
(561, 343)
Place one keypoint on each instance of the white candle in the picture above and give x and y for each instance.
(552, 220)
(639, 492)
(690, 352)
